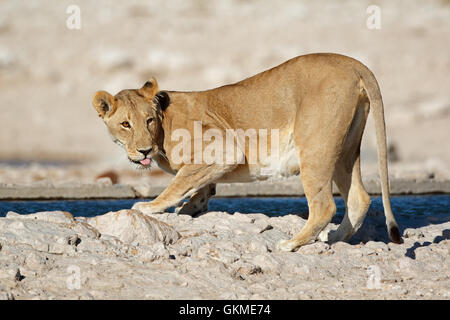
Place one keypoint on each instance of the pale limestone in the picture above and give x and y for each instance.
(215, 256)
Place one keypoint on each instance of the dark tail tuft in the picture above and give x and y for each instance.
(394, 235)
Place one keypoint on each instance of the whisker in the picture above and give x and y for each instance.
(163, 155)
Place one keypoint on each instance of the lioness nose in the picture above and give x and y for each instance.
(145, 152)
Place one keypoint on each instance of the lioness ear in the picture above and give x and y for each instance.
(103, 103)
(162, 100)
(149, 89)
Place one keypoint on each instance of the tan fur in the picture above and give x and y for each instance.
(319, 103)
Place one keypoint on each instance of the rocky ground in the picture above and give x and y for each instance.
(51, 136)
(124, 254)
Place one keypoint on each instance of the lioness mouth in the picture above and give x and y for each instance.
(144, 162)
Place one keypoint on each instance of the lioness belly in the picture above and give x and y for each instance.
(284, 164)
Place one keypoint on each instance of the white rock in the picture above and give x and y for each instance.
(152, 253)
(35, 261)
(105, 181)
(272, 237)
(411, 233)
(132, 225)
(211, 263)
(61, 217)
(258, 246)
(245, 269)
(221, 251)
(243, 218)
(267, 262)
(290, 223)
(314, 248)
(41, 235)
(377, 246)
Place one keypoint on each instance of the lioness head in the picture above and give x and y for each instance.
(134, 120)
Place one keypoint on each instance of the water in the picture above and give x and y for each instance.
(401, 205)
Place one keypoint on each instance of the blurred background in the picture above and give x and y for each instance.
(51, 64)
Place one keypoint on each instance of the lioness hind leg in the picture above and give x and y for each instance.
(347, 177)
(357, 201)
(321, 210)
(321, 125)
(198, 202)
(316, 178)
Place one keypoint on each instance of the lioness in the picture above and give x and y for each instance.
(319, 104)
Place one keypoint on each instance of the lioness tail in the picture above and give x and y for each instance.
(372, 89)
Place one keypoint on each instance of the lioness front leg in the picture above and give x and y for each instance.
(188, 180)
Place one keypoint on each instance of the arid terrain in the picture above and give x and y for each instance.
(126, 255)
(51, 136)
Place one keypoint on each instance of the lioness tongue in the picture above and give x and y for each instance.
(145, 162)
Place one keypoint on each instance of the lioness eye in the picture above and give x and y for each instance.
(125, 124)
(149, 121)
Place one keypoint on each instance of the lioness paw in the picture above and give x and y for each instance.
(191, 209)
(286, 245)
(145, 208)
(324, 235)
